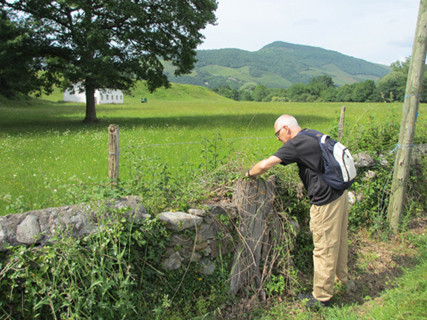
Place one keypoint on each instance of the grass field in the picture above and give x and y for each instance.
(45, 148)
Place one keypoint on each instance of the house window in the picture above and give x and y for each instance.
(106, 97)
(102, 97)
(117, 97)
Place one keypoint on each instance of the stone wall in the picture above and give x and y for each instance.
(209, 236)
(38, 227)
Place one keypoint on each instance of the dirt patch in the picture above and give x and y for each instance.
(374, 264)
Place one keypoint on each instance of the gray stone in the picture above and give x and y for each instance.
(208, 219)
(195, 257)
(206, 232)
(55, 226)
(201, 245)
(180, 240)
(197, 212)
(295, 227)
(81, 225)
(174, 262)
(216, 210)
(207, 251)
(223, 208)
(207, 266)
(370, 174)
(363, 160)
(180, 220)
(43, 222)
(383, 161)
(78, 221)
(28, 231)
(185, 252)
(2, 236)
(351, 198)
(133, 203)
(215, 248)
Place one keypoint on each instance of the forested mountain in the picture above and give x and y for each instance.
(277, 65)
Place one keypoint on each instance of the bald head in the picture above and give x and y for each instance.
(287, 120)
(290, 126)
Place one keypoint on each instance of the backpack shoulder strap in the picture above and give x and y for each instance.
(312, 133)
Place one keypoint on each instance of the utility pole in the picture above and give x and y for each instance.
(409, 117)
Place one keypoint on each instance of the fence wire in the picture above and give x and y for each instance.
(193, 142)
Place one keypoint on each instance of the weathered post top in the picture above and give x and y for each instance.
(113, 152)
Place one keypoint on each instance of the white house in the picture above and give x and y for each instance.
(102, 96)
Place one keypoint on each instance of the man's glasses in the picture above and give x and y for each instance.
(278, 132)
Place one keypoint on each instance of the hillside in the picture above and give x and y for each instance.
(276, 65)
(177, 92)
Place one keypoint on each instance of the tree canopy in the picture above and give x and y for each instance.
(111, 44)
(20, 65)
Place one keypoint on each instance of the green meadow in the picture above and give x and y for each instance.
(46, 149)
(173, 149)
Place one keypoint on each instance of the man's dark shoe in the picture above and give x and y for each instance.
(312, 301)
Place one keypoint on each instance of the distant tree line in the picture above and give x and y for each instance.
(322, 89)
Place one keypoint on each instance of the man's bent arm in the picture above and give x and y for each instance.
(263, 166)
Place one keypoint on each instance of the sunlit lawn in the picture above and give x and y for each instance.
(45, 148)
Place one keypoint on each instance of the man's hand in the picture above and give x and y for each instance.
(262, 166)
(248, 174)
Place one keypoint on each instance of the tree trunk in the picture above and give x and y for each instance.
(90, 105)
(409, 117)
(259, 228)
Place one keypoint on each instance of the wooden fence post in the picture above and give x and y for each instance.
(113, 152)
(341, 124)
(259, 229)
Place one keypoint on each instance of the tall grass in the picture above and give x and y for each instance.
(46, 149)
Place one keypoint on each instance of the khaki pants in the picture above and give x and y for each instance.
(330, 255)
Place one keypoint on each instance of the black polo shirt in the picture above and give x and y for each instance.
(306, 153)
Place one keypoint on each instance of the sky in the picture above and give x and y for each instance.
(380, 31)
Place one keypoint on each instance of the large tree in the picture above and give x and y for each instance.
(19, 60)
(113, 43)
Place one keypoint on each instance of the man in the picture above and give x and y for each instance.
(328, 211)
